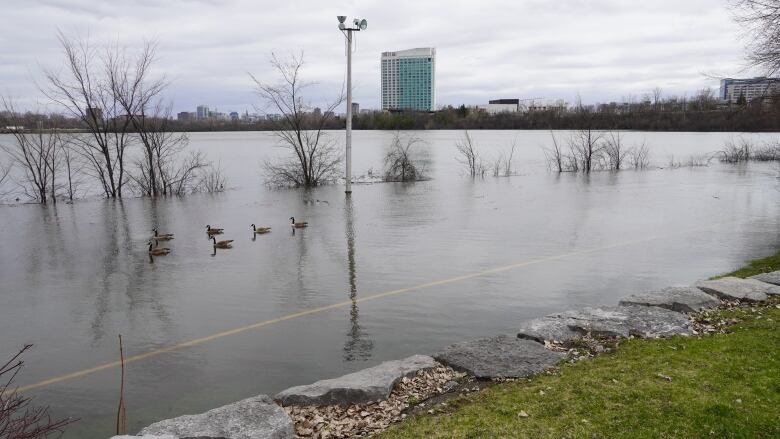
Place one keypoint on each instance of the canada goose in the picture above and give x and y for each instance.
(159, 251)
(222, 244)
(299, 225)
(162, 236)
(260, 230)
(213, 231)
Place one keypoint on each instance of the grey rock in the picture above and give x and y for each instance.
(616, 321)
(498, 357)
(372, 384)
(733, 288)
(770, 278)
(252, 418)
(146, 436)
(680, 299)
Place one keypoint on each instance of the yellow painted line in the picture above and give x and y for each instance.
(257, 325)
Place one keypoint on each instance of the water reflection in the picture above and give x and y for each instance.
(358, 346)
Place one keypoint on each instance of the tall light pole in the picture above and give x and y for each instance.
(347, 31)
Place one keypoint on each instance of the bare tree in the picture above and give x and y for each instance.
(555, 155)
(86, 90)
(36, 151)
(586, 146)
(19, 419)
(314, 156)
(469, 156)
(639, 157)
(400, 161)
(614, 150)
(761, 21)
(212, 179)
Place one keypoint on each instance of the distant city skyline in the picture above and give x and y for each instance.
(601, 50)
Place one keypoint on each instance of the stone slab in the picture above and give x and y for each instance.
(146, 436)
(372, 384)
(680, 299)
(615, 321)
(498, 357)
(252, 418)
(770, 278)
(734, 288)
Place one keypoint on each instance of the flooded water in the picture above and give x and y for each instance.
(395, 270)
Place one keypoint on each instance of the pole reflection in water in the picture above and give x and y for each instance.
(358, 346)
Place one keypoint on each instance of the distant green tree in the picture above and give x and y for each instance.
(742, 100)
(463, 111)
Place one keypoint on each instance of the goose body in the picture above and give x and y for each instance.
(222, 244)
(162, 236)
(298, 225)
(159, 251)
(213, 230)
(260, 230)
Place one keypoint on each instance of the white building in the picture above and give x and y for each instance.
(409, 79)
(753, 88)
(497, 106)
(202, 112)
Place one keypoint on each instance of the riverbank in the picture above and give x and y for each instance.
(721, 385)
(695, 361)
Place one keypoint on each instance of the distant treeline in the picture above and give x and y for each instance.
(670, 115)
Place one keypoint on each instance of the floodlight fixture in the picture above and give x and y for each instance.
(363, 24)
(342, 18)
(342, 26)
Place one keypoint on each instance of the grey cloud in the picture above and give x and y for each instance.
(602, 49)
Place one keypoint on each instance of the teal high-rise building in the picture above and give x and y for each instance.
(409, 79)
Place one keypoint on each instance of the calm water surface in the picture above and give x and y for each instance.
(73, 277)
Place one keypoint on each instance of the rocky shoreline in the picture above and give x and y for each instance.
(369, 401)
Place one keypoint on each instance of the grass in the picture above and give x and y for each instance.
(758, 266)
(722, 386)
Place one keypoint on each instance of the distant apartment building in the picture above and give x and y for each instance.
(202, 112)
(409, 79)
(234, 116)
(355, 108)
(185, 116)
(753, 88)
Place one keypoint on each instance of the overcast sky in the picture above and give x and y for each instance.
(602, 50)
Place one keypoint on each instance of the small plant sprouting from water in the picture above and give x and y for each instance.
(121, 416)
(744, 150)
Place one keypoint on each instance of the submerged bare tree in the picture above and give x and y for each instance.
(314, 157)
(587, 147)
(212, 179)
(761, 20)
(469, 156)
(401, 163)
(639, 157)
(86, 89)
(19, 419)
(615, 151)
(34, 150)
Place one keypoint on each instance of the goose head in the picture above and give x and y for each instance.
(292, 219)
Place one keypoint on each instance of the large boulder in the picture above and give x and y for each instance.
(770, 278)
(372, 384)
(734, 288)
(680, 299)
(615, 321)
(252, 418)
(498, 357)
